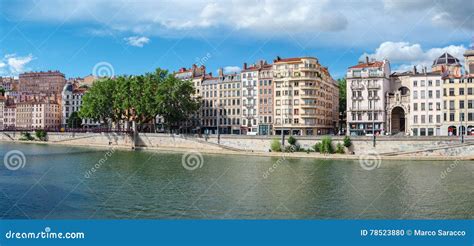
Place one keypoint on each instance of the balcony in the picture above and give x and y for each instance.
(373, 86)
(357, 87)
(250, 105)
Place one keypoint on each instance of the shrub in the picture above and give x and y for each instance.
(317, 147)
(292, 140)
(26, 136)
(290, 148)
(339, 148)
(41, 135)
(326, 146)
(347, 142)
(275, 145)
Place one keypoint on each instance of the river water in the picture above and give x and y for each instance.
(59, 182)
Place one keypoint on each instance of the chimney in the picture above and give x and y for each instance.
(425, 70)
(220, 72)
(414, 69)
(367, 59)
(245, 66)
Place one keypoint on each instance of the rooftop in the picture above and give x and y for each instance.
(446, 59)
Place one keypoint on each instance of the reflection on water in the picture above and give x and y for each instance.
(156, 185)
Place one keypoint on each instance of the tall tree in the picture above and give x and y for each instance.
(98, 102)
(175, 103)
(74, 121)
(342, 95)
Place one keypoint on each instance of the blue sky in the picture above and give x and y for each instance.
(138, 36)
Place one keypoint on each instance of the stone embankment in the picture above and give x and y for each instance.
(386, 147)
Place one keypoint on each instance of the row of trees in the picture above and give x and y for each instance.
(137, 100)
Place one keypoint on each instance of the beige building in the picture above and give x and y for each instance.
(229, 103)
(210, 99)
(38, 115)
(303, 97)
(458, 94)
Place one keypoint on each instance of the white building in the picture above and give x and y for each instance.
(71, 102)
(367, 84)
(249, 76)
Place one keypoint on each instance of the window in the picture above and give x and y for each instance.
(415, 83)
(415, 94)
(461, 104)
(451, 91)
(438, 94)
(461, 91)
(415, 107)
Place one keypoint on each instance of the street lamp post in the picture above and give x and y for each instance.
(218, 124)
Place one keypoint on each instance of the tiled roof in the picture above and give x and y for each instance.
(288, 59)
(369, 64)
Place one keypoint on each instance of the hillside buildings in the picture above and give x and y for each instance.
(49, 83)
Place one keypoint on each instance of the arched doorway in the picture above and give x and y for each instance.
(452, 131)
(398, 120)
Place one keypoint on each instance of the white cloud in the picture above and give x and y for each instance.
(232, 69)
(137, 41)
(12, 65)
(362, 23)
(406, 55)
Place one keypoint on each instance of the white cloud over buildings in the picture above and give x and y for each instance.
(407, 55)
(12, 64)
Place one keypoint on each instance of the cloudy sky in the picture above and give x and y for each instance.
(137, 36)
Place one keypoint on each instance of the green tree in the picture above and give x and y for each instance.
(175, 103)
(342, 95)
(326, 145)
(75, 121)
(347, 141)
(2, 91)
(292, 140)
(98, 103)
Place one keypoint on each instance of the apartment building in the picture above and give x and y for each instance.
(367, 84)
(458, 94)
(50, 82)
(303, 97)
(38, 114)
(250, 99)
(265, 100)
(210, 103)
(71, 98)
(9, 114)
(229, 102)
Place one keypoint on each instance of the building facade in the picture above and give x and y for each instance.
(303, 97)
(249, 121)
(71, 98)
(458, 95)
(367, 85)
(265, 100)
(229, 103)
(50, 82)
